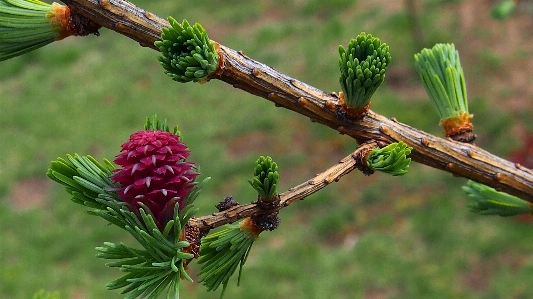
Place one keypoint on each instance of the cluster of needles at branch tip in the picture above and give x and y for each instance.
(26, 25)
(488, 201)
(391, 159)
(266, 178)
(443, 78)
(222, 252)
(187, 53)
(362, 66)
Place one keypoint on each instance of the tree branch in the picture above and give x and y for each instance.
(460, 159)
(321, 180)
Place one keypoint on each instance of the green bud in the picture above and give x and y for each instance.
(391, 159)
(266, 178)
(188, 54)
(362, 68)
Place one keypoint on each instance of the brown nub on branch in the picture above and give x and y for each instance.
(362, 154)
(193, 235)
(459, 128)
(267, 218)
(251, 228)
(267, 221)
(353, 112)
(70, 23)
(226, 204)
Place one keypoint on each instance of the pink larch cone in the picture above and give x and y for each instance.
(154, 172)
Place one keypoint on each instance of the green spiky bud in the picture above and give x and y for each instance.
(266, 178)
(391, 159)
(443, 78)
(503, 9)
(362, 67)
(488, 201)
(222, 252)
(188, 54)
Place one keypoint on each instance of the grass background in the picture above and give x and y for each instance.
(363, 237)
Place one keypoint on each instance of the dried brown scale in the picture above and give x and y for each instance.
(267, 218)
(70, 23)
(268, 221)
(249, 226)
(226, 204)
(268, 204)
(466, 136)
(353, 112)
(193, 235)
(81, 26)
(362, 156)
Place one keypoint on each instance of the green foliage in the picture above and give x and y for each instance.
(503, 9)
(391, 159)
(488, 201)
(159, 266)
(443, 78)
(156, 267)
(24, 27)
(188, 54)
(266, 178)
(363, 66)
(84, 178)
(154, 124)
(221, 253)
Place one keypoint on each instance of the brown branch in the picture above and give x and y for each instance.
(321, 180)
(259, 79)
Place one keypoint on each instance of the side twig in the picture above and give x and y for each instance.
(259, 79)
(321, 180)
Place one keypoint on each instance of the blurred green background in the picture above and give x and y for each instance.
(363, 237)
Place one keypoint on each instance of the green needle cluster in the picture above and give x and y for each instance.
(443, 78)
(24, 27)
(84, 178)
(154, 124)
(188, 54)
(159, 265)
(362, 67)
(488, 201)
(391, 159)
(221, 253)
(266, 178)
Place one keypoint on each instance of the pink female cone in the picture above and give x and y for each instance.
(154, 173)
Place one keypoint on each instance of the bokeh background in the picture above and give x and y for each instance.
(363, 237)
